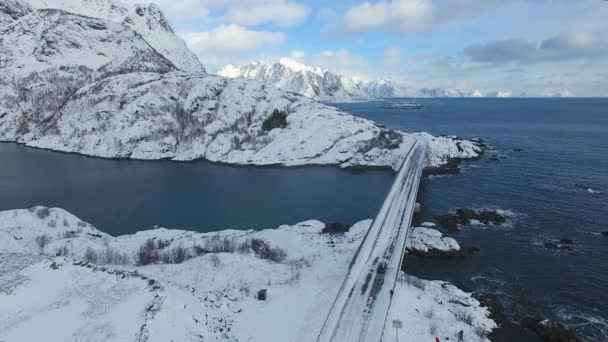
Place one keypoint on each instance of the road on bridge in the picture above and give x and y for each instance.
(360, 309)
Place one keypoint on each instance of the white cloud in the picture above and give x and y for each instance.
(393, 56)
(183, 9)
(226, 41)
(340, 61)
(399, 15)
(280, 12)
(297, 54)
(410, 16)
(242, 12)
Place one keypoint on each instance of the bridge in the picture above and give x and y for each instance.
(361, 306)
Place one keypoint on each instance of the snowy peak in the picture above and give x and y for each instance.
(147, 20)
(53, 38)
(296, 77)
(11, 10)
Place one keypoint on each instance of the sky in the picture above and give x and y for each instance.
(532, 47)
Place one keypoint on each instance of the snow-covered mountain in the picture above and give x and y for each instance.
(290, 75)
(145, 19)
(80, 84)
(323, 85)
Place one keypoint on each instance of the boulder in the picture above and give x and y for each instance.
(548, 330)
(336, 228)
(262, 294)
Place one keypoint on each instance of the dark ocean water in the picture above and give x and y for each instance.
(122, 196)
(547, 190)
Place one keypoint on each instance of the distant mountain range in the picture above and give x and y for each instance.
(326, 86)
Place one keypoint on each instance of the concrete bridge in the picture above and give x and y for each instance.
(361, 307)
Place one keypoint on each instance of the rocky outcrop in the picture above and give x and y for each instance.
(336, 228)
(549, 330)
(461, 217)
(562, 245)
(427, 242)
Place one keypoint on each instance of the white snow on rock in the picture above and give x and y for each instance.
(11, 10)
(327, 86)
(88, 285)
(424, 239)
(146, 19)
(442, 149)
(51, 39)
(430, 309)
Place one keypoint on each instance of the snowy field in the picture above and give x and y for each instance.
(61, 279)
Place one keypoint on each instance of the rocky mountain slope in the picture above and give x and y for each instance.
(145, 19)
(325, 86)
(80, 84)
(63, 280)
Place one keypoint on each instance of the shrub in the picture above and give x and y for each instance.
(90, 256)
(176, 255)
(43, 212)
(429, 313)
(278, 119)
(147, 253)
(42, 241)
(215, 261)
(264, 251)
(465, 316)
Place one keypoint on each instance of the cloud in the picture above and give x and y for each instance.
(563, 47)
(340, 60)
(183, 9)
(226, 41)
(393, 56)
(280, 12)
(242, 12)
(410, 16)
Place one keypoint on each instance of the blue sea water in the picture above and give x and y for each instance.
(557, 187)
(125, 196)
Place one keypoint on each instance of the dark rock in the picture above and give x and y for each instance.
(507, 331)
(559, 246)
(452, 167)
(566, 241)
(336, 228)
(465, 216)
(471, 250)
(605, 233)
(448, 221)
(262, 294)
(548, 330)
(490, 216)
(519, 150)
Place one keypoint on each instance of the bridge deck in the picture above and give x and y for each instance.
(361, 306)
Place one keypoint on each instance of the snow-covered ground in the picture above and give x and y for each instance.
(62, 279)
(428, 240)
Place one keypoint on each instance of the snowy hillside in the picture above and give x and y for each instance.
(61, 279)
(145, 19)
(49, 39)
(11, 10)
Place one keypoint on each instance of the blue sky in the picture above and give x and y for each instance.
(540, 47)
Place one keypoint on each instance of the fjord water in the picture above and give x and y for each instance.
(125, 196)
(557, 187)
